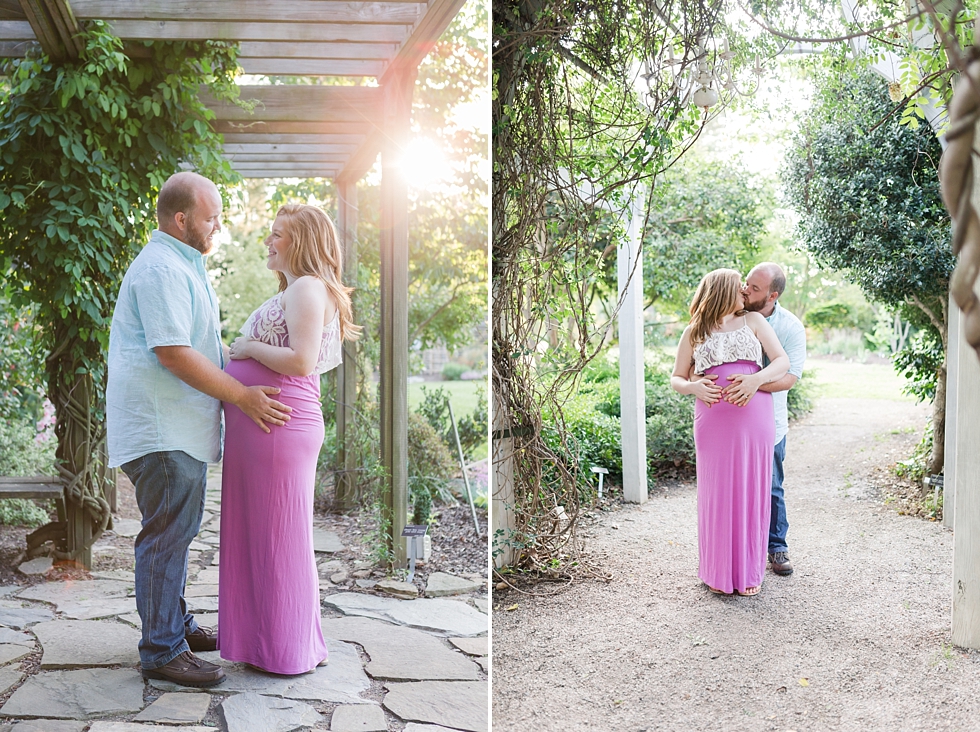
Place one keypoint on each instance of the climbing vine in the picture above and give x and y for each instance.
(84, 147)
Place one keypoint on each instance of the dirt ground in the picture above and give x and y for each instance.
(857, 639)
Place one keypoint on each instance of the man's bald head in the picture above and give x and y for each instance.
(180, 194)
(189, 209)
(773, 273)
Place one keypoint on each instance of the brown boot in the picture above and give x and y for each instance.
(781, 564)
(201, 640)
(188, 670)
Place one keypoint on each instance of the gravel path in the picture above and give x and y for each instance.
(857, 639)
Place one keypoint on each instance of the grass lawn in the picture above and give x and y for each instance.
(462, 395)
(856, 380)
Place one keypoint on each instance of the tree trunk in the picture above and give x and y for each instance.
(938, 457)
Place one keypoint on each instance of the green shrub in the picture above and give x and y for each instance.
(453, 371)
(430, 466)
(670, 424)
(799, 399)
(914, 468)
(472, 427)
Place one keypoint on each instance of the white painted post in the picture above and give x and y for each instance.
(501, 487)
(631, 389)
(966, 518)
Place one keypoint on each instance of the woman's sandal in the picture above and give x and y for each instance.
(750, 591)
(717, 592)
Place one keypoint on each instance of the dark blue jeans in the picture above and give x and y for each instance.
(778, 525)
(170, 493)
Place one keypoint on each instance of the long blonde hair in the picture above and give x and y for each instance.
(316, 251)
(716, 297)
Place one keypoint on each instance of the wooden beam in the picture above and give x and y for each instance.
(364, 159)
(393, 233)
(175, 30)
(11, 10)
(294, 103)
(287, 149)
(345, 490)
(44, 30)
(360, 51)
(291, 128)
(285, 171)
(251, 11)
(15, 49)
(16, 30)
(336, 159)
(64, 20)
(258, 138)
(310, 67)
(417, 46)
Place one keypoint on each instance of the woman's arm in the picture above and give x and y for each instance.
(744, 386)
(305, 303)
(680, 379)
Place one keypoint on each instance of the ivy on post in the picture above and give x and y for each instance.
(84, 147)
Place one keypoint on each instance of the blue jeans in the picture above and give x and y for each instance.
(170, 493)
(778, 525)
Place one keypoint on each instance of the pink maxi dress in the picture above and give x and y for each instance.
(734, 467)
(268, 591)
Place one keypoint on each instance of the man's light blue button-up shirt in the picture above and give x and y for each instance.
(166, 299)
(792, 337)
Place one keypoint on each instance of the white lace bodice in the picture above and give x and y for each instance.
(268, 324)
(734, 345)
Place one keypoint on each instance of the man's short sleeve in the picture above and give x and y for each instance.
(164, 301)
(795, 346)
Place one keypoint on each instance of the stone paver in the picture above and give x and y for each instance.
(416, 727)
(358, 718)
(326, 542)
(175, 708)
(8, 677)
(440, 584)
(83, 694)
(10, 652)
(41, 565)
(249, 712)
(201, 590)
(341, 681)
(202, 604)
(103, 608)
(57, 593)
(472, 646)
(16, 615)
(397, 588)
(401, 654)
(16, 637)
(450, 616)
(135, 727)
(47, 725)
(81, 643)
(126, 527)
(456, 704)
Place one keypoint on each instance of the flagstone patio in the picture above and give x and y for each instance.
(69, 661)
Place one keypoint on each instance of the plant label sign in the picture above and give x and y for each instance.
(415, 530)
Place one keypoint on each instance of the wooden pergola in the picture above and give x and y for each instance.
(300, 131)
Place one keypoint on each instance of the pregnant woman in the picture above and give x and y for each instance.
(269, 594)
(734, 429)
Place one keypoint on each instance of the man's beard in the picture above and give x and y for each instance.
(200, 243)
(753, 307)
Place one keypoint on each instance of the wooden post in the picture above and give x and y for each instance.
(345, 490)
(966, 518)
(397, 93)
(502, 486)
(631, 387)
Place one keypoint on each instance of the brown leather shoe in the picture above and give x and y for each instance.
(781, 564)
(201, 640)
(188, 670)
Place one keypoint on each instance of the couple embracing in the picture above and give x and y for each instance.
(740, 354)
(170, 378)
